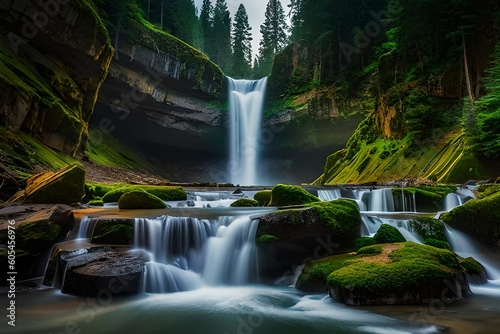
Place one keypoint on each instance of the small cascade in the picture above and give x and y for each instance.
(187, 252)
(451, 201)
(85, 229)
(372, 224)
(329, 194)
(379, 200)
(246, 98)
(465, 246)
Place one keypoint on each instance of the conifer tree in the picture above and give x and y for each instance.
(222, 35)
(206, 23)
(274, 37)
(242, 47)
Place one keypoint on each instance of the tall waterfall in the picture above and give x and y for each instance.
(246, 99)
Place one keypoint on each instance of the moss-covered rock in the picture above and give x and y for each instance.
(285, 195)
(138, 199)
(96, 202)
(402, 273)
(388, 234)
(428, 228)
(474, 270)
(37, 237)
(113, 231)
(65, 186)
(427, 198)
(437, 243)
(244, 202)
(312, 232)
(266, 239)
(263, 197)
(166, 193)
(478, 217)
(362, 242)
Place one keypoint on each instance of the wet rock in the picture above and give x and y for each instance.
(103, 272)
(65, 186)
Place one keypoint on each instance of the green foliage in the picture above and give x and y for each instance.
(244, 202)
(36, 237)
(139, 199)
(284, 195)
(428, 228)
(341, 215)
(487, 138)
(412, 266)
(242, 44)
(266, 239)
(479, 217)
(388, 234)
(96, 190)
(263, 197)
(165, 193)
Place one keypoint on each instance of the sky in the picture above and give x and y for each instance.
(256, 10)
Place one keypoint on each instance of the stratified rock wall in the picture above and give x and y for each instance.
(54, 57)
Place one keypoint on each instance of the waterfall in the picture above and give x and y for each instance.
(246, 98)
(329, 194)
(187, 253)
(451, 201)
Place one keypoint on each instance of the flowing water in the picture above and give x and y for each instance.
(246, 98)
(202, 274)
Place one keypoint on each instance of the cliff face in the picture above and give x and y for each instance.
(158, 77)
(54, 57)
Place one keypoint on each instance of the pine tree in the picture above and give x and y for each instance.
(222, 35)
(207, 24)
(242, 47)
(274, 37)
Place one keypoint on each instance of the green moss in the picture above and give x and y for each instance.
(138, 199)
(471, 266)
(244, 202)
(96, 190)
(362, 242)
(369, 250)
(318, 271)
(388, 234)
(341, 215)
(428, 228)
(263, 197)
(412, 266)
(285, 195)
(36, 237)
(266, 239)
(166, 193)
(95, 202)
(479, 217)
(437, 243)
(113, 231)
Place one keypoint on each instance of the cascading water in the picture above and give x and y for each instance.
(187, 253)
(246, 98)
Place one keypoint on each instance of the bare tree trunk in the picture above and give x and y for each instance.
(467, 74)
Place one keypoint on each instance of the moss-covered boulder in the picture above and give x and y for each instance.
(138, 199)
(166, 193)
(244, 202)
(263, 197)
(113, 231)
(286, 195)
(400, 273)
(475, 271)
(65, 186)
(388, 234)
(477, 217)
(302, 234)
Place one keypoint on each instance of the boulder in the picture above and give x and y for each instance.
(475, 271)
(244, 202)
(295, 236)
(286, 195)
(113, 231)
(138, 199)
(478, 217)
(166, 193)
(65, 186)
(398, 273)
(104, 272)
(388, 234)
(263, 197)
